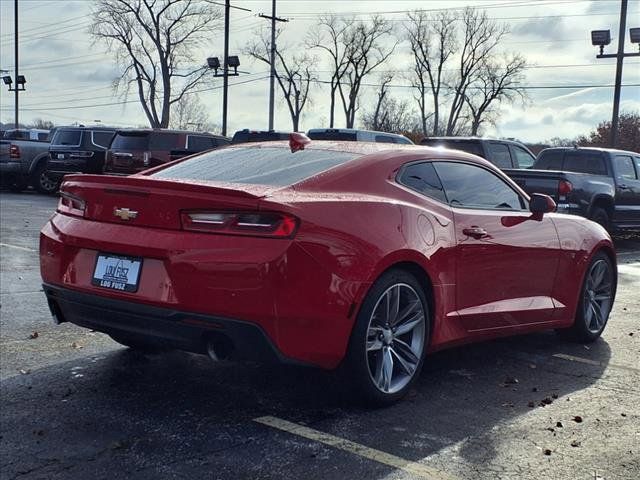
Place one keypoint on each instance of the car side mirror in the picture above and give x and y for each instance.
(539, 204)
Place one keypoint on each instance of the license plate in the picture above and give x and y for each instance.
(116, 272)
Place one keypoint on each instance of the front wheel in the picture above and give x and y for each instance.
(595, 303)
(389, 340)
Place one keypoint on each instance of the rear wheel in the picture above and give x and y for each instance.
(601, 217)
(389, 340)
(42, 182)
(596, 301)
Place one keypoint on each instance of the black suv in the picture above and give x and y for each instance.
(502, 153)
(78, 150)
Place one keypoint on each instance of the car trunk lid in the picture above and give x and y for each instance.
(151, 202)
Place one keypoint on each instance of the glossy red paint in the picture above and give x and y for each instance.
(488, 273)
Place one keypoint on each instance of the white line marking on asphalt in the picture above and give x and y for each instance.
(414, 468)
(588, 361)
(26, 249)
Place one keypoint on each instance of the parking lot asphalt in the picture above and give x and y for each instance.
(74, 404)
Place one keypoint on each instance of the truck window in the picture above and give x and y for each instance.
(67, 137)
(469, 146)
(584, 162)
(624, 167)
(198, 143)
(499, 155)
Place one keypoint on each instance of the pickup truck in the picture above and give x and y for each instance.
(24, 162)
(597, 183)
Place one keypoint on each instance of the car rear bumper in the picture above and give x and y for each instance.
(163, 326)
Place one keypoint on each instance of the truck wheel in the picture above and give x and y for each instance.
(42, 182)
(601, 217)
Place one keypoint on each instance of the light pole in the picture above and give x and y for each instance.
(601, 38)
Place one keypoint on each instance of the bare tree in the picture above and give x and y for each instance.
(366, 44)
(42, 124)
(391, 115)
(480, 38)
(189, 113)
(496, 81)
(329, 36)
(292, 72)
(432, 41)
(154, 41)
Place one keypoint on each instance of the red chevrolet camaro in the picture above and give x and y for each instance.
(359, 255)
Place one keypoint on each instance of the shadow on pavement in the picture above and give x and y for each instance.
(123, 412)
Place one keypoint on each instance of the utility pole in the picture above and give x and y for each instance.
(225, 79)
(15, 46)
(272, 78)
(602, 38)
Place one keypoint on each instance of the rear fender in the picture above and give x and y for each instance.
(35, 163)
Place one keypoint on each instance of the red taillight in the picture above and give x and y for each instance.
(14, 151)
(71, 205)
(262, 224)
(564, 187)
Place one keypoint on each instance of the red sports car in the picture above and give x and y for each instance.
(359, 255)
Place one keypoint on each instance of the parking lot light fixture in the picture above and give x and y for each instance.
(601, 38)
(213, 63)
(21, 80)
(234, 62)
(634, 35)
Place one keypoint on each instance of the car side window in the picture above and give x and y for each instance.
(384, 139)
(624, 167)
(637, 159)
(499, 155)
(422, 178)
(523, 158)
(472, 186)
(102, 139)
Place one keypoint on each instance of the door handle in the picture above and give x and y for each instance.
(475, 232)
(624, 187)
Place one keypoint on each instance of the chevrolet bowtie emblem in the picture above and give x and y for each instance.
(124, 213)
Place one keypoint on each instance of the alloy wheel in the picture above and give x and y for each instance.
(395, 338)
(598, 294)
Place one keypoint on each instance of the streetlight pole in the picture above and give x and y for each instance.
(15, 46)
(603, 37)
(225, 66)
(619, 58)
(272, 60)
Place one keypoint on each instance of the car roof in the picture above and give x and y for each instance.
(352, 130)
(86, 127)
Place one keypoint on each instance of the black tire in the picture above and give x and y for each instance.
(138, 344)
(601, 217)
(42, 182)
(587, 327)
(359, 362)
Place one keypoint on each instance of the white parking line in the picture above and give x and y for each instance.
(26, 249)
(417, 469)
(588, 361)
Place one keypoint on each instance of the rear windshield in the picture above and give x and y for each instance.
(67, 137)
(583, 162)
(146, 141)
(259, 166)
(466, 146)
(336, 135)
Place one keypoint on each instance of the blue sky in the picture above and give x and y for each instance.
(69, 77)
